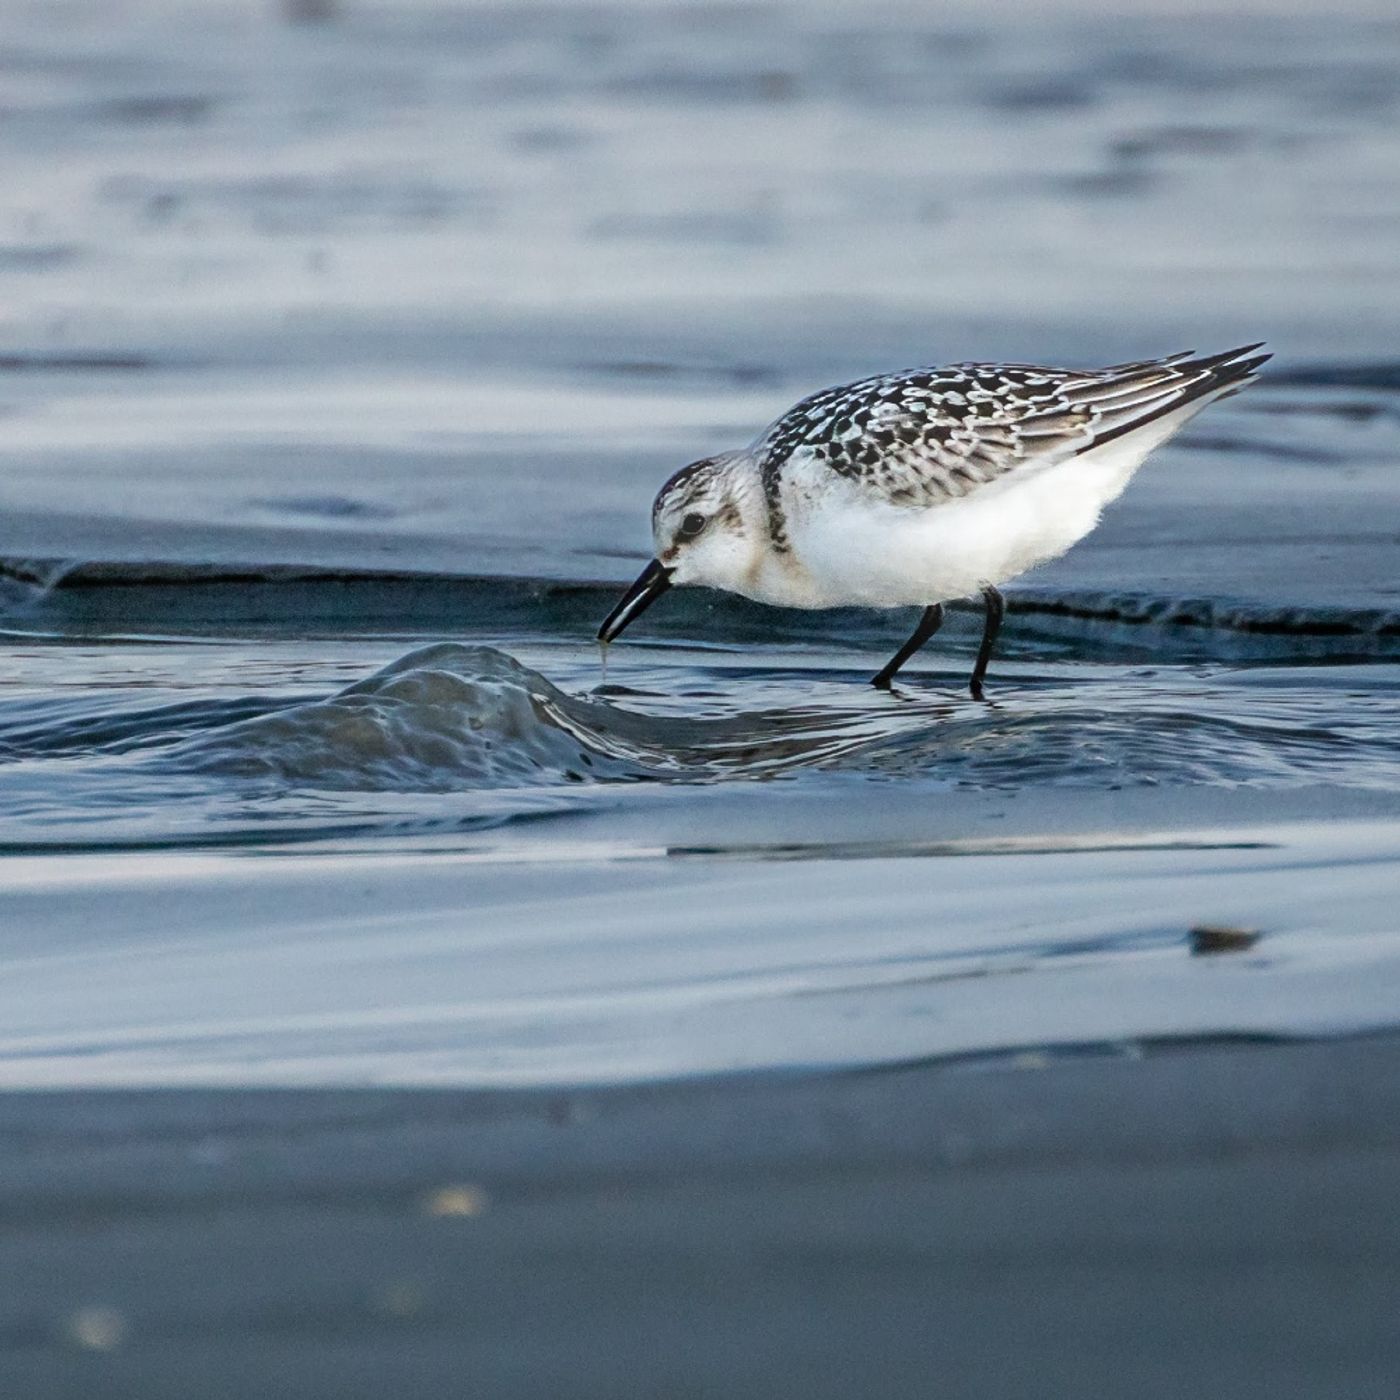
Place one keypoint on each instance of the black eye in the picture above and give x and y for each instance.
(691, 525)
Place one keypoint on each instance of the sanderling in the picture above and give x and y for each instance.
(921, 486)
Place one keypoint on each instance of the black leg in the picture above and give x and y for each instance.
(929, 623)
(996, 610)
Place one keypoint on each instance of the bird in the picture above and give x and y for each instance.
(921, 486)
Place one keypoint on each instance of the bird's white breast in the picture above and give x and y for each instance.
(848, 547)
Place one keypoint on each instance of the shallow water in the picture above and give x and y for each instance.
(226, 864)
(339, 364)
(454, 737)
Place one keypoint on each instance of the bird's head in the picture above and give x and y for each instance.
(708, 526)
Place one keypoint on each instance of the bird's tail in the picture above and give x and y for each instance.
(1129, 397)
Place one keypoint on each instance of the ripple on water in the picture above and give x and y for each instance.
(450, 716)
(461, 735)
(446, 716)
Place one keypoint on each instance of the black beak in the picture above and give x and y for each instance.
(653, 581)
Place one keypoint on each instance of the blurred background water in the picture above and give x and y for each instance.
(342, 347)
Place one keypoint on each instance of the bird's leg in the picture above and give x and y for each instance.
(996, 610)
(929, 623)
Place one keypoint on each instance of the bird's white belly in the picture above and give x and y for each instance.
(852, 550)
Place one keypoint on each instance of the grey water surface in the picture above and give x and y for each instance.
(339, 360)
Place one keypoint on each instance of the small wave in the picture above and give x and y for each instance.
(1146, 610)
(437, 719)
(452, 738)
(450, 718)
(173, 598)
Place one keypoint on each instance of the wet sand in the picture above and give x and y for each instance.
(1208, 1218)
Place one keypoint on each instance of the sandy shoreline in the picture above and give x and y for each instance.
(1212, 1215)
(648, 941)
(334, 328)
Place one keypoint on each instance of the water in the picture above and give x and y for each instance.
(340, 361)
(454, 738)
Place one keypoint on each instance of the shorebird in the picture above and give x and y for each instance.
(921, 486)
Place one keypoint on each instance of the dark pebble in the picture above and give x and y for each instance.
(1222, 938)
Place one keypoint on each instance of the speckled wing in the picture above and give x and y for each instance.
(921, 437)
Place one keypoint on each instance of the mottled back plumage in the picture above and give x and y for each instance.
(920, 437)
